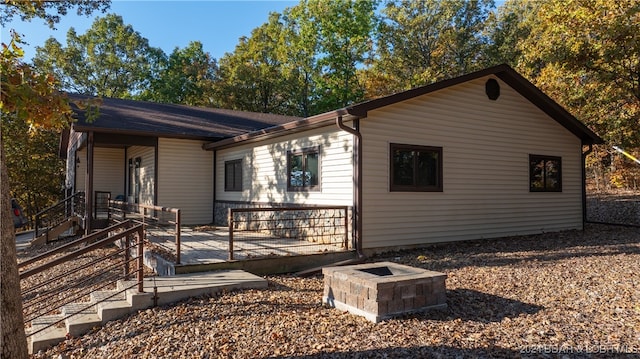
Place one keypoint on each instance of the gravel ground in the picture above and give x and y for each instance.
(614, 207)
(575, 292)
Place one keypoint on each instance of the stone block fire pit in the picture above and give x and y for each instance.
(379, 291)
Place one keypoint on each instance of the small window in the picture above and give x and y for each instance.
(233, 175)
(545, 174)
(416, 168)
(303, 169)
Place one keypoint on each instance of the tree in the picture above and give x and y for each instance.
(420, 42)
(111, 59)
(49, 11)
(584, 54)
(506, 28)
(345, 28)
(186, 77)
(36, 171)
(31, 97)
(251, 78)
(300, 49)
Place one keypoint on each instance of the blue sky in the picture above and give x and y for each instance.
(166, 24)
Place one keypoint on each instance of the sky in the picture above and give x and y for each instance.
(167, 24)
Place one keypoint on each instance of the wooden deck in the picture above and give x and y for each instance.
(212, 246)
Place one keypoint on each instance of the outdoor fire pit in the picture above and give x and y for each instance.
(379, 291)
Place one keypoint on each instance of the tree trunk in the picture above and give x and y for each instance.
(12, 336)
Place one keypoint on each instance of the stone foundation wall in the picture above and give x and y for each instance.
(320, 225)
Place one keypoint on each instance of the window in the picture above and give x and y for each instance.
(233, 176)
(303, 169)
(416, 168)
(545, 174)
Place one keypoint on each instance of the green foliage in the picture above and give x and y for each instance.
(110, 59)
(345, 29)
(252, 77)
(49, 11)
(186, 77)
(420, 42)
(36, 172)
(300, 49)
(505, 29)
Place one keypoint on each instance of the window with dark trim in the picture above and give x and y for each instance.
(545, 173)
(415, 168)
(233, 176)
(303, 169)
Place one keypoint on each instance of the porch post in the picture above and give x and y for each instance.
(89, 184)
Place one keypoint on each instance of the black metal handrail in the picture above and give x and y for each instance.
(61, 278)
(46, 219)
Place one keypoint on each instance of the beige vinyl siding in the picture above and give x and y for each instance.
(264, 169)
(486, 146)
(108, 170)
(147, 171)
(185, 179)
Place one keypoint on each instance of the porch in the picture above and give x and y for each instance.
(207, 248)
(259, 240)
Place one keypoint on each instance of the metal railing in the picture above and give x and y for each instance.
(288, 231)
(59, 212)
(161, 223)
(71, 272)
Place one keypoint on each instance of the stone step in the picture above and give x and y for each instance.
(134, 298)
(111, 305)
(83, 318)
(81, 307)
(82, 323)
(45, 337)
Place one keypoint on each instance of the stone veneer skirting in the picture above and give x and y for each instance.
(315, 225)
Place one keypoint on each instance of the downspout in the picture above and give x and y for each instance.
(584, 184)
(213, 210)
(357, 180)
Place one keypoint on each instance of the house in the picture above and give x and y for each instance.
(151, 153)
(478, 156)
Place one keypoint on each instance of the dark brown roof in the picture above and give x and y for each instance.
(143, 118)
(360, 110)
